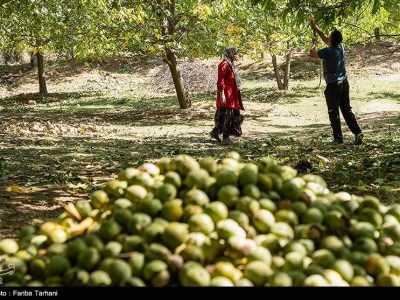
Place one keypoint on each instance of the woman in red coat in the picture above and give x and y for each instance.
(228, 119)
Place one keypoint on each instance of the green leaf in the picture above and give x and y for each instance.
(376, 6)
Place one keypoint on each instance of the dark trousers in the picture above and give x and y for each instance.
(337, 96)
(228, 121)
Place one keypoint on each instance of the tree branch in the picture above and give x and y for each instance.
(387, 35)
(356, 26)
(343, 4)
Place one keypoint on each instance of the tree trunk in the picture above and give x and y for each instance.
(287, 70)
(277, 74)
(6, 56)
(184, 101)
(72, 54)
(41, 76)
(32, 59)
(377, 34)
(69, 55)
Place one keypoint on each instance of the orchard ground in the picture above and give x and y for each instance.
(98, 120)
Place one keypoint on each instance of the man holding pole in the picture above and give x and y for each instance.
(337, 86)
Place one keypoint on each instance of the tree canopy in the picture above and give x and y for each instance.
(187, 28)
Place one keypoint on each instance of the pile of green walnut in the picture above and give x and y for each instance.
(188, 222)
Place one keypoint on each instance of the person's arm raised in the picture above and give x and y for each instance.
(325, 38)
(314, 53)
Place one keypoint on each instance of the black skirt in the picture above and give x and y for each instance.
(228, 122)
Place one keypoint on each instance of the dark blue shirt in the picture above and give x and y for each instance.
(333, 60)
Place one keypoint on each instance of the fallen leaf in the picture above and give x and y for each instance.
(15, 189)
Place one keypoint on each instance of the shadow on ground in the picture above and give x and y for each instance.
(69, 168)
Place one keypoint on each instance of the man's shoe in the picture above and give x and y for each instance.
(358, 138)
(227, 141)
(215, 136)
(336, 142)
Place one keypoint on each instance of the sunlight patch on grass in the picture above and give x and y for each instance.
(40, 148)
(90, 107)
(77, 155)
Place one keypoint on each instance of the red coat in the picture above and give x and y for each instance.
(226, 81)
